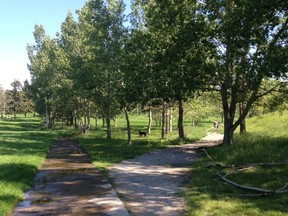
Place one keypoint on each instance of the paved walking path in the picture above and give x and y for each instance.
(68, 184)
(149, 183)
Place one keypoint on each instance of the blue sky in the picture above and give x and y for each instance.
(17, 21)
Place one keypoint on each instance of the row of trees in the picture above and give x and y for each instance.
(163, 53)
(15, 101)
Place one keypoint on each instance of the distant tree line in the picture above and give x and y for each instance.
(164, 54)
(15, 101)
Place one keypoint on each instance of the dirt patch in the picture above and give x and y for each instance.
(68, 184)
(149, 184)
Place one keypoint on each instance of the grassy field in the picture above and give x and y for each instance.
(24, 144)
(265, 142)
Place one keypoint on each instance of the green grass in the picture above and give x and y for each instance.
(266, 141)
(106, 153)
(24, 144)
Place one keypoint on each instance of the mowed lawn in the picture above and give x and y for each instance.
(24, 143)
(23, 147)
(105, 153)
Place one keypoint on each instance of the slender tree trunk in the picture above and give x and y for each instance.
(89, 114)
(103, 122)
(71, 119)
(108, 123)
(128, 126)
(171, 120)
(180, 120)
(96, 119)
(115, 121)
(243, 123)
(75, 119)
(166, 121)
(108, 127)
(163, 121)
(150, 121)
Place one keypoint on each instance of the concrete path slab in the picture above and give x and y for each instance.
(149, 184)
(68, 184)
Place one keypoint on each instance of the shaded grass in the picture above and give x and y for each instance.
(267, 141)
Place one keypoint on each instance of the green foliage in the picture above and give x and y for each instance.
(265, 143)
(248, 45)
(171, 50)
(201, 107)
(276, 101)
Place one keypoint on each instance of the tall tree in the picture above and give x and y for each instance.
(15, 103)
(44, 73)
(102, 24)
(2, 102)
(177, 32)
(249, 42)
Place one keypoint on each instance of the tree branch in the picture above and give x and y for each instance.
(263, 191)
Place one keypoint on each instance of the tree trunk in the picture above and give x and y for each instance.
(75, 119)
(171, 120)
(89, 114)
(108, 122)
(228, 131)
(108, 128)
(180, 120)
(115, 121)
(96, 119)
(166, 121)
(71, 120)
(150, 121)
(163, 121)
(128, 126)
(243, 123)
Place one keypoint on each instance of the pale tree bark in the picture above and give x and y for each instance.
(166, 121)
(128, 126)
(108, 123)
(149, 121)
(171, 120)
(180, 120)
(96, 119)
(163, 121)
